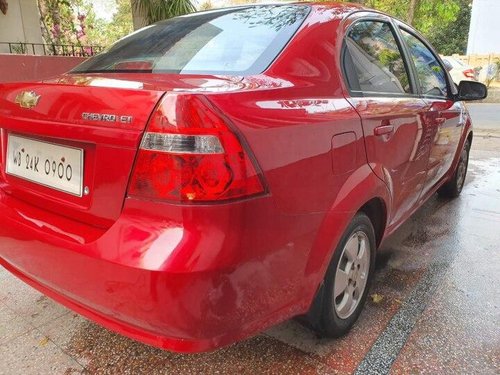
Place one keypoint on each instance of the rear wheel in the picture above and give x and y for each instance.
(347, 280)
(454, 186)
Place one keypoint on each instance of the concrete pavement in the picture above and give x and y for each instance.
(435, 307)
(485, 115)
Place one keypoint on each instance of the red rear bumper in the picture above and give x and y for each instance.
(187, 279)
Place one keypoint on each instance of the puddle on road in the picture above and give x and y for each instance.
(459, 330)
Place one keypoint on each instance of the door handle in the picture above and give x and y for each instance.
(440, 120)
(383, 129)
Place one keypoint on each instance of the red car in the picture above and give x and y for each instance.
(214, 174)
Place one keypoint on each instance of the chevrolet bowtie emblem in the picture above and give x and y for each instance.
(27, 99)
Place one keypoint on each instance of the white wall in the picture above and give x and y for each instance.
(20, 24)
(484, 33)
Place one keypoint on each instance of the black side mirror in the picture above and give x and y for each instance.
(471, 90)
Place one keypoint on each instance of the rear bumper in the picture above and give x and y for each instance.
(180, 278)
(133, 331)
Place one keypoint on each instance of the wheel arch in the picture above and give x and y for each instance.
(376, 211)
(369, 195)
(469, 137)
(375, 206)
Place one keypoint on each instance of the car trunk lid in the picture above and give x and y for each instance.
(99, 120)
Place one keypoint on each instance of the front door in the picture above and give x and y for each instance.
(443, 115)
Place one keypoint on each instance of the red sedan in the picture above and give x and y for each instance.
(214, 174)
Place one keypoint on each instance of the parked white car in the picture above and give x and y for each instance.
(459, 71)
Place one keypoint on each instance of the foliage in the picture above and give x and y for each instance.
(74, 22)
(63, 21)
(452, 37)
(157, 10)
(206, 5)
(106, 33)
(444, 22)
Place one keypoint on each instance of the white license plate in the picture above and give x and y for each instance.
(48, 164)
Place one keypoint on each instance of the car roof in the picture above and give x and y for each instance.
(343, 9)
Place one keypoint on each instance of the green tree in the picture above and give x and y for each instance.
(444, 22)
(452, 37)
(106, 33)
(422, 14)
(157, 10)
(64, 21)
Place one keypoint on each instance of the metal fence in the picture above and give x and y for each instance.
(41, 49)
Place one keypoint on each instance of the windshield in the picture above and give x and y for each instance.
(239, 41)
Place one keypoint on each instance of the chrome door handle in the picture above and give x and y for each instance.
(383, 129)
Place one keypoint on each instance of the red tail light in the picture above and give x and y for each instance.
(469, 73)
(189, 154)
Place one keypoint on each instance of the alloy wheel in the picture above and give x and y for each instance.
(351, 275)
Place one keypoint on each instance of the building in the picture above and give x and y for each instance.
(484, 33)
(21, 23)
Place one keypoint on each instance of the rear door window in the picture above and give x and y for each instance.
(430, 74)
(377, 65)
(240, 41)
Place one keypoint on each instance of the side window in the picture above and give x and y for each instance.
(430, 73)
(376, 64)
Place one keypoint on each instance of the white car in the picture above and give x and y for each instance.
(458, 70)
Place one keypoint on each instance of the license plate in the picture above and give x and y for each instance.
(55, 166)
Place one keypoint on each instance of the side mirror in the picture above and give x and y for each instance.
(471, 90)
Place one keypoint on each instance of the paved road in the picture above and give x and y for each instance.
(485, 115)
(438, 277)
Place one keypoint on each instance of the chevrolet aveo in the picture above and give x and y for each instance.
(214, 174)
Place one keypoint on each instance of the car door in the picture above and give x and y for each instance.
(444, 115)
(393, 116)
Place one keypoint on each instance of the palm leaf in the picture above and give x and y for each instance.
(157, 10)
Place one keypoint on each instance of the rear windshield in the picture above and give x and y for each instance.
(239, 41)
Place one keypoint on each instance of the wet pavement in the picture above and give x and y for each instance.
(434, 308)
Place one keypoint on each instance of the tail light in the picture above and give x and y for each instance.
(189, 154)
(469, 73)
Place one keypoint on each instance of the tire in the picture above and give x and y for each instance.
(453, 187)
(331, 315)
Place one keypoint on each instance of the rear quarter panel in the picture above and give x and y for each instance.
(308, 141)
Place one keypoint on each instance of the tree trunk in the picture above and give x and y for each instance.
(138, 18)
(411, 11)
